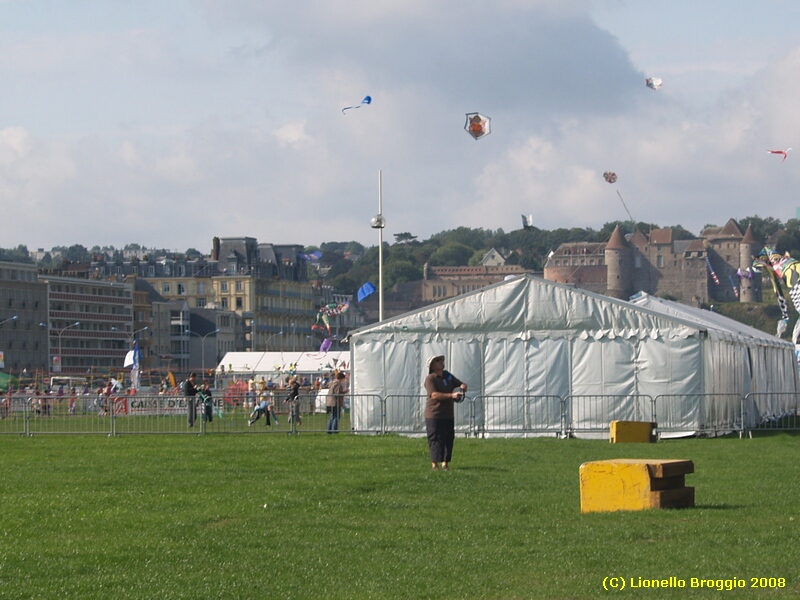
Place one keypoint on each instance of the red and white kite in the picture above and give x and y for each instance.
(781, 152)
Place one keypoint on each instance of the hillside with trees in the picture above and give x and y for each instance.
(347, 265)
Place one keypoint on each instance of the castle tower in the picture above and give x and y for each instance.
(749, 289)
(618, 264)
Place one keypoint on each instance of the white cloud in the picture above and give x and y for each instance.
(171, 128)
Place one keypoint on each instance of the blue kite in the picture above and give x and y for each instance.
(366, 101)
(365, 291)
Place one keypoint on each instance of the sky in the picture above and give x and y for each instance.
(168, 123)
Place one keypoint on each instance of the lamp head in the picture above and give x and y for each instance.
(377, 222)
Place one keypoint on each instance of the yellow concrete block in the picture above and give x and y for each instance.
(635, 484)
(632, 431)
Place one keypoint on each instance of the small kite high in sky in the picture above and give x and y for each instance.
(527, 222)
(610, 176)
(784, 153)
(367, 100)
(478, 125)
(653, 83)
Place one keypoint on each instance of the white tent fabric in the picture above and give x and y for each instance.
(263, 363)
(532, 337)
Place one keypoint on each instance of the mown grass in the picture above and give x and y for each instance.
(315, 516)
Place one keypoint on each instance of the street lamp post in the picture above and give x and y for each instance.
(270, 337)
(378, 222)
(60, 333)
(202, 346)
(133, 335)
(14, 318)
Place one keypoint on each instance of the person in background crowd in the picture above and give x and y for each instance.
(208, 402)
(334, 402)
(261, 408)
(190, 391)
(72, 400)
(294, 401)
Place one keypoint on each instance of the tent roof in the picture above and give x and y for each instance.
(272, 362)
(717, 324)
(538, 308)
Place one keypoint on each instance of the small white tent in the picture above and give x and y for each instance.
(249, 364)
(530, 337)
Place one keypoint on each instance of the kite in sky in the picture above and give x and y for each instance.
(478, 125)
(367, 100)
(365, 291)
(527, 222)
(653, 83)
(323, 322)
(610, 177)
(784, 153)
(316, 255)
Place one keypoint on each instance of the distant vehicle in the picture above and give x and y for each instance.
(79, 383)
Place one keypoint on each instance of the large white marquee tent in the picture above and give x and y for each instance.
(532, 337)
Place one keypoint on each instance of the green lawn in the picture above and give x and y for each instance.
(316, 516)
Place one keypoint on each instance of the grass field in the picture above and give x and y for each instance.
(315, 516)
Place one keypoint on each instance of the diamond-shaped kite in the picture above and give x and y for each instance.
(478, 125)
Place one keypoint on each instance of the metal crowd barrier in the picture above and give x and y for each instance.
(768, 413)
(592, 414)
(518, 415)
(478, 416)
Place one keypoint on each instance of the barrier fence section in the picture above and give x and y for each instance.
(13, 415)
(778, 412)
(591, 414)
(517, 415)
(702, 414)
(405, 414)
(490, 415)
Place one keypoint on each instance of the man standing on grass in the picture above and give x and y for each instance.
(190, 391)
(334, 402)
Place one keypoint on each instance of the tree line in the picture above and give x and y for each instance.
(346, 266)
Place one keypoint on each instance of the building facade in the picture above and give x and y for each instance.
(90, 323)
(690, 271)
(23, 306)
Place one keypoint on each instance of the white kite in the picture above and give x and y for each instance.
(653, 83)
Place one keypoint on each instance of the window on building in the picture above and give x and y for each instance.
(224, 286)
(239, 287)
(181, 289)
(660, 261)
(165, 288)
(201, 303)
(239, 303)
(182, 270)
(201, 287)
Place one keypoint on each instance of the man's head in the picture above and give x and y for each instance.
(433, 362)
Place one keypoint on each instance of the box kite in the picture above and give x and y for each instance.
(478, 125)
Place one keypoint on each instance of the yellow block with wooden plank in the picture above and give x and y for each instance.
(635, 484)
